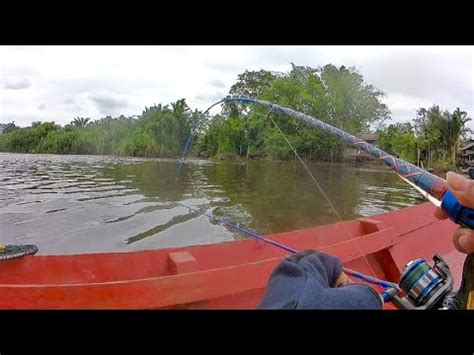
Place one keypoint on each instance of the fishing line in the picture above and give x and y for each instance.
(356, 274)
(353, 273)
(321, 190)
(189, 137)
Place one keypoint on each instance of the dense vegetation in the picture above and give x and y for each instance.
(339, 96)
(159, 131)
(432, 139)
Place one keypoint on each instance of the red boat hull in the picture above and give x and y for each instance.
(231, 275)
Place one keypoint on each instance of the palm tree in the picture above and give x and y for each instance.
(80, 122)
(8, 127)
(179, 107)
(454, 130)
(427, 127)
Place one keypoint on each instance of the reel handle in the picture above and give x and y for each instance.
(465, 294)
(463, 216)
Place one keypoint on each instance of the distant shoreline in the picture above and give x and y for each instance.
(351, 161)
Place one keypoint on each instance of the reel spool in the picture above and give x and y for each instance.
(420, 281)
(425, 286)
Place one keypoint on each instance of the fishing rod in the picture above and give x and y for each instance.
(252, 234)
(425, 286)
(433, 187)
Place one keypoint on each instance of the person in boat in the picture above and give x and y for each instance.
(315, 280)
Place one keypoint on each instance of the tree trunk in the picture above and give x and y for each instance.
(248, 151)
(330, 150)
(418, 156)
(429, 155)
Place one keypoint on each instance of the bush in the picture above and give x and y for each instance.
(140, 144)
(70, 140)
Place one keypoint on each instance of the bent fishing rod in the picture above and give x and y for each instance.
(425, 286)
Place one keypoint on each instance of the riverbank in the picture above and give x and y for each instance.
(362, 160)
(440, 169)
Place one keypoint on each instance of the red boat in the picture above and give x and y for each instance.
(231, 275)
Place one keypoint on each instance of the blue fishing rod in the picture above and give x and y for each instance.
(252, 234)
(432, 187)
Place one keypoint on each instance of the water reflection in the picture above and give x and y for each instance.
(79, 204)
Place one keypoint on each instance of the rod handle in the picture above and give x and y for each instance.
(457, 213)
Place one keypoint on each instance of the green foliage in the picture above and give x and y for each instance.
(453, 129)
(80, 122)
(351, 103)
(71, 140)
(435, 134)
(8, 127)
(140, 143)
(439, 134)
(159, 131)
(400, 141)
(26, 140)
(277, 147)
(167, 126)
(336, 95)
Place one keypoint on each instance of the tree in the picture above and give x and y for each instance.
(8, 127)
(249, 84)
(80, 122)
(399, 140)
(439, 133)
(352, 104)
(454, 129)
(338, 96)
(428, 128)
(180, 107)
(253, 83)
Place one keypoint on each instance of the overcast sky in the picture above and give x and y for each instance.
(58, 83)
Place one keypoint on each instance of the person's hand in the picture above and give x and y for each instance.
(463, 190)
(315, 280)
(342, 280)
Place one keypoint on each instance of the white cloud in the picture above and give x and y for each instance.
(107, 103)
(112, 80)
(217, 83)
(19, 84)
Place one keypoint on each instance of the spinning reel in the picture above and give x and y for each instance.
(431, 287)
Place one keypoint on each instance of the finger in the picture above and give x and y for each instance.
(440, 214)
(463, 239)
(462, 188)
(343, 279)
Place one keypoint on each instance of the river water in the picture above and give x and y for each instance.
(71, 204)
